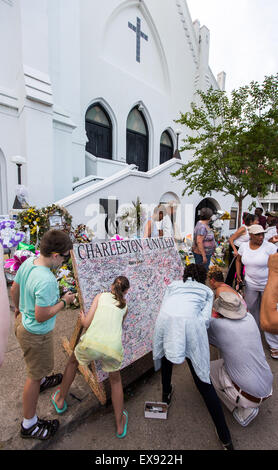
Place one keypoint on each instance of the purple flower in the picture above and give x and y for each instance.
(9, 237)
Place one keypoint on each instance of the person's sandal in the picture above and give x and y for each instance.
(274, 353)
(51, 381)
(121, 436)
(42, 425)
(58, 410)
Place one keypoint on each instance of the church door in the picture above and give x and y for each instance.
(137, 140)
(99, 132)
(204, 203)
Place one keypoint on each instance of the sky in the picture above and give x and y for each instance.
(243, 38)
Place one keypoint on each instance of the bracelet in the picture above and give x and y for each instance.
(64, 302)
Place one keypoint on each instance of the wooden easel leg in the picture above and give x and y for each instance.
(89, 377)
(76, 334)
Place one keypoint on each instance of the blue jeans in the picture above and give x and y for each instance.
(199, 260)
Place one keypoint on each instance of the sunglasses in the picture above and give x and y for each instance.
(66, 257)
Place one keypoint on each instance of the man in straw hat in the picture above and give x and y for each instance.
(242, 378)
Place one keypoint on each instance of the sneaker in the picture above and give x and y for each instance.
(167, 397)
(244, 416)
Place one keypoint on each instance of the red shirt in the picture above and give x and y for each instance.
(262, 221)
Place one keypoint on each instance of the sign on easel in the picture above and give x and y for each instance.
(149, 264)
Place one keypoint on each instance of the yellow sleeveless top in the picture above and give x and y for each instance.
(104, 334)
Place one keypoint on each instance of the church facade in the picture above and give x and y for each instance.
(89, 95)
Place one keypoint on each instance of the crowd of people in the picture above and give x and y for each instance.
(200, 310)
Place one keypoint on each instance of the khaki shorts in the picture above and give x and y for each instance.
(38, 351)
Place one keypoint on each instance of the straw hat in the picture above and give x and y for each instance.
(230, 306)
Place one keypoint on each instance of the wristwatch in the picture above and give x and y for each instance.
(64, 302)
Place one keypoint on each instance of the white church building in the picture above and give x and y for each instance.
(89, 94)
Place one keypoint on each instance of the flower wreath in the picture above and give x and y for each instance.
(59, 210)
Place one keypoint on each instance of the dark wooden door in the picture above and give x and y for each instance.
(100, 142)
(137, 150)
(166, 153)
(204, 203)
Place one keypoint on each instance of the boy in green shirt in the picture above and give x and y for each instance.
(35, 295)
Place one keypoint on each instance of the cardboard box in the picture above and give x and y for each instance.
(156, 410)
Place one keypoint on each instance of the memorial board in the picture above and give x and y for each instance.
(149, 264)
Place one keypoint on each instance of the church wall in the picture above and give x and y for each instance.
(108, 75)
(9, 45)
(84, 205)
(8, 148)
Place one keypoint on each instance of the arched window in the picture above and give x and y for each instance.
(166, 147)
(137, 140)
(99, 132)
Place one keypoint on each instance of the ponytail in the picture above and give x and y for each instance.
(120, 285)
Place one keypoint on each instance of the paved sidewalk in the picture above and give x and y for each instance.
(188, 427)
(12, 378)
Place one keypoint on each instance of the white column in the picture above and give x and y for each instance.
(35, 102)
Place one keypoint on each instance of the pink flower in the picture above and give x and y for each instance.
(117, 237)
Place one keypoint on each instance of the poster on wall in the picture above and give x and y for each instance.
(150, 264)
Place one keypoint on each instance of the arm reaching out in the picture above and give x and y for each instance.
(86, 320)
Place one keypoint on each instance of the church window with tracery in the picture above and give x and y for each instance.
(99, 132)
(166, 147)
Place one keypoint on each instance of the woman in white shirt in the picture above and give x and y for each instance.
(239, 237)
(254, 255)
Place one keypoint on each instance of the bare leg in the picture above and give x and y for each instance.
(30, 397)
(117, 396)
(68, 378)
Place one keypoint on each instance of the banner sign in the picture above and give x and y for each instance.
(150, 264)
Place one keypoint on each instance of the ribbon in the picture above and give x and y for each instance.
(24, 246)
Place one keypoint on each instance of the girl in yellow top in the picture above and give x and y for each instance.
(102, 341)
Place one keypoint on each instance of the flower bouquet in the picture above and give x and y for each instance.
(35, 220)
(131, 218)
(12, 265)
(9, 236)
(66, 282)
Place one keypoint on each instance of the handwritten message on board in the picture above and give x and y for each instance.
(149, 264)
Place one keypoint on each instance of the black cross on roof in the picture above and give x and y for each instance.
(139, 35)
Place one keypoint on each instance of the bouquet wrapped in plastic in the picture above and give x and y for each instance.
(10, 237)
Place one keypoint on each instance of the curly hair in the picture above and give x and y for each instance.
(197, 272)
(215, 273)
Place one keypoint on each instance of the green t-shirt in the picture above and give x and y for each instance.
(38, 286)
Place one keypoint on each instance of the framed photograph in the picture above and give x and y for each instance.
(55, 221)
(233, 220)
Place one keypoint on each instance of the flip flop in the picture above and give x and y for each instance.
(59, 410)
(120, 436)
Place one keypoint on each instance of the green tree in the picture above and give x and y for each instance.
(233, 140)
